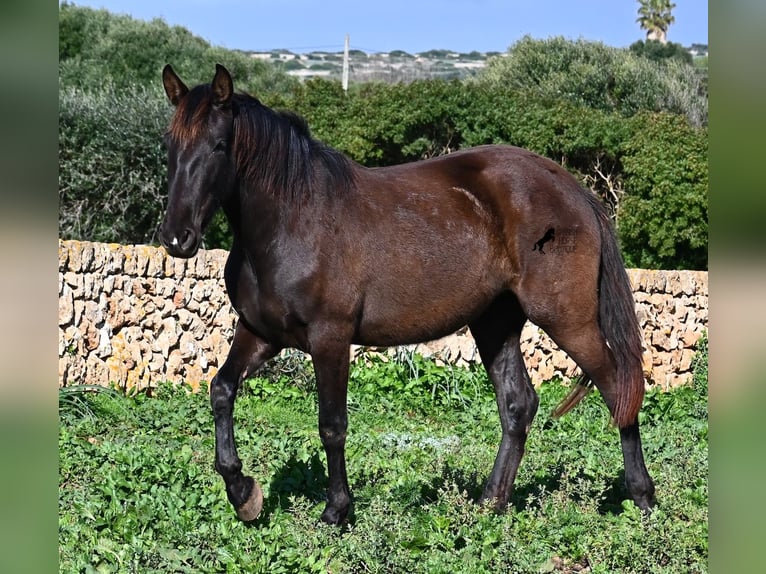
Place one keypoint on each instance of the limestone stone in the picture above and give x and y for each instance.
(179, 267)
(687, 284)
(66, 307)
(156, 263)
(86, 256)
(169, 267)
(193, 374)
(104, 348)
(63, 255)
(685, 361)
(185, 317)
(143, 253)
(115, 258)
(690, 338)
(658, 300)
(174, 363)
(188, 345)
(97, 371)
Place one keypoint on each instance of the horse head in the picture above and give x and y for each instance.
(201, 168)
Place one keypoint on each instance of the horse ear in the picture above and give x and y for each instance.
(223, 86)
(174, 87)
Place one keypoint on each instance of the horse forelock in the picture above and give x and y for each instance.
(189, 120)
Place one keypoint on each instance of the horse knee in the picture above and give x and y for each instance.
(222, 394)
(228, 467)
(521, 411)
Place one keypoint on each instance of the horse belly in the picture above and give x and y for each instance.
(432, 264)
(422, 307)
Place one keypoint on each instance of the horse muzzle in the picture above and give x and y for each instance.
(184, 244)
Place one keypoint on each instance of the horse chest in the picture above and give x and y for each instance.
(261, 306)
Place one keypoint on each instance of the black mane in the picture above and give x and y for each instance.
(275, 151)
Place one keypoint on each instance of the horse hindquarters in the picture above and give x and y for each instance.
(596, 325)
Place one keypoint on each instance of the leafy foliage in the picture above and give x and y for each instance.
(73, 400)
(138, 493)
(111, 163)
(664, 218)
(655, 50)
(597, 76)
(409, 378)
(97, 47)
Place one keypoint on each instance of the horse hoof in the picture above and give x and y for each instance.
(646, 504)
(250, 510)
(333, 516)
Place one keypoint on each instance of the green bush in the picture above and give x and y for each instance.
(601, 77)
(662, 222)
(655, 50)
(98, 48)
(112, 180)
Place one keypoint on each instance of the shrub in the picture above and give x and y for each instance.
(663, 221)
(655, 50)
(601, 77)
(97, 48)
(111, 163)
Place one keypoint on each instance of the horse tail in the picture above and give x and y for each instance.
(619, 326)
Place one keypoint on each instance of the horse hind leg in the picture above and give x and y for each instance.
(586, 345)
(497, 333)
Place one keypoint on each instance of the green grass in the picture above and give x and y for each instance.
(138, 493)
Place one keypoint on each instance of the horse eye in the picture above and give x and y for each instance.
(220, 147)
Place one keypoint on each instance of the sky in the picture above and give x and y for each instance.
(410, 25)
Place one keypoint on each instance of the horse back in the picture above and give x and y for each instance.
(451, 233)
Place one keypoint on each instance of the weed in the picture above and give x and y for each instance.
(75, 400)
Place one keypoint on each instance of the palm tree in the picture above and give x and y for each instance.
(655, 17)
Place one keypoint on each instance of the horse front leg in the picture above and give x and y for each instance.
(248, 352)
(331, 365)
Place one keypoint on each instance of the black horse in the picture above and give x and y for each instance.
(327, 253)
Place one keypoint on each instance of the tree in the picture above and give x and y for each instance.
(655, 17)
(654, 50)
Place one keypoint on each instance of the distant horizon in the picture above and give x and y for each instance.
(301, 26)
(352, 49)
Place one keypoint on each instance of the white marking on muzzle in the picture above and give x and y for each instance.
(175, 241)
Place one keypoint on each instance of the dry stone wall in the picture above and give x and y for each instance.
(131, 315)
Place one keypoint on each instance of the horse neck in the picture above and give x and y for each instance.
(257, 218)
(250, 213)
(282, 171)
